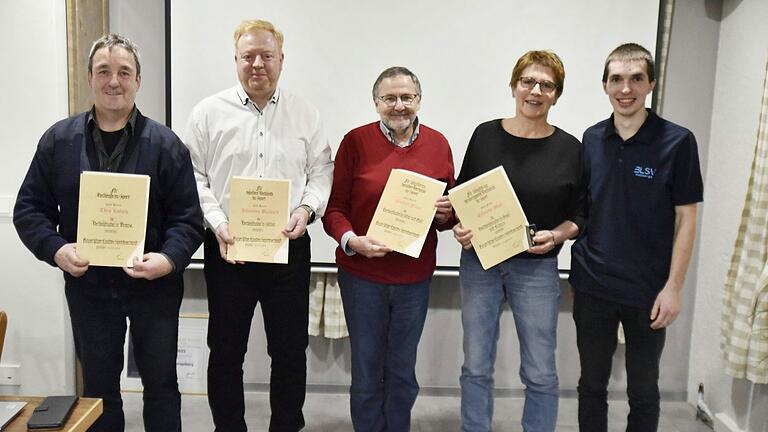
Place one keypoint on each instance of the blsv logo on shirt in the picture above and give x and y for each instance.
(646, 172)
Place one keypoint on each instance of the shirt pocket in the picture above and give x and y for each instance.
(288, 154)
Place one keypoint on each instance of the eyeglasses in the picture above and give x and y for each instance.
(406, 99)
(545, 86)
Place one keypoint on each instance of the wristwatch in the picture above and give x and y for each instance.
(310, 212)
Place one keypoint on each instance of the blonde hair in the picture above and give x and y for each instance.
(250, 25)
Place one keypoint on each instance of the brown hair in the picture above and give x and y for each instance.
(542, 58)
(631, 52)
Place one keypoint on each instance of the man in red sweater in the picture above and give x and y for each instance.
(385, 293)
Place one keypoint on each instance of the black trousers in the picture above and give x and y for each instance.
(597, 323)
(234, 290)
(99, 328)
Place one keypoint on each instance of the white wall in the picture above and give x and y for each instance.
(143, 21)
(738, 88)
(689, 83)
(34, 96)
(334, 64)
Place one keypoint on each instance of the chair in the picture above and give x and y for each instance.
(3, 326)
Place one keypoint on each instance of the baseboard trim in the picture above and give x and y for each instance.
(724, 423)
(669, 396)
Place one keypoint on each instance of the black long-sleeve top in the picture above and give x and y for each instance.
(546, 173)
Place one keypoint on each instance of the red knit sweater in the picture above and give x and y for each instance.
(363, 163)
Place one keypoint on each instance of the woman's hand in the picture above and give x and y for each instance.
(543, 242)
(462, 235)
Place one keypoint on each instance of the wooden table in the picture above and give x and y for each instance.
(85, 412)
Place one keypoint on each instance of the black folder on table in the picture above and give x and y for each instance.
(52, 413)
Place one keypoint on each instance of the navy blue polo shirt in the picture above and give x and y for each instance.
(625, 251)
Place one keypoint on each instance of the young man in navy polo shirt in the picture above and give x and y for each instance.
(630, 262)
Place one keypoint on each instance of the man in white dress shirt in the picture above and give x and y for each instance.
(257, 129)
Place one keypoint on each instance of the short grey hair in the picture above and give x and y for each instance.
(112, 40)
(393, 72)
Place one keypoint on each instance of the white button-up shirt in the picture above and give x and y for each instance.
(228, 135)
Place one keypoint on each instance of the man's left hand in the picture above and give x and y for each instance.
(665, 308)
(297, 225)
(153, 265)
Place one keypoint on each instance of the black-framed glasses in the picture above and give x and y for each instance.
(406, 99)
(530, 82)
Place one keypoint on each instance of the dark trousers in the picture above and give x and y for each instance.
(597, 322)
(99, 327)
(234, 290)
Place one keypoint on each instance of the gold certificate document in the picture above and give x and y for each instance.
(488, 206)
(258, 212)
(405, 211)
(112, 218)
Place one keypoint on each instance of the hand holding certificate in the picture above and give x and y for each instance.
(112, 218)
(405, 211)
(258, 211)
(488, 206)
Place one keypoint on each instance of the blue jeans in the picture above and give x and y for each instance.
(597, 321)
(385, 324)
(531, 287)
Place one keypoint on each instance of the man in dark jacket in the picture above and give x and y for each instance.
(115, 137)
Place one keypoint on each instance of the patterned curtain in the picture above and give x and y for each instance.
(744, 324)
(326, 312)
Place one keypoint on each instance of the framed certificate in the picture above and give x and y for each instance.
(488, 206)
(259, 209)
(112, 218)
(405, 211)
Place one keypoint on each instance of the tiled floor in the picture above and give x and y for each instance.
(330, 413)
